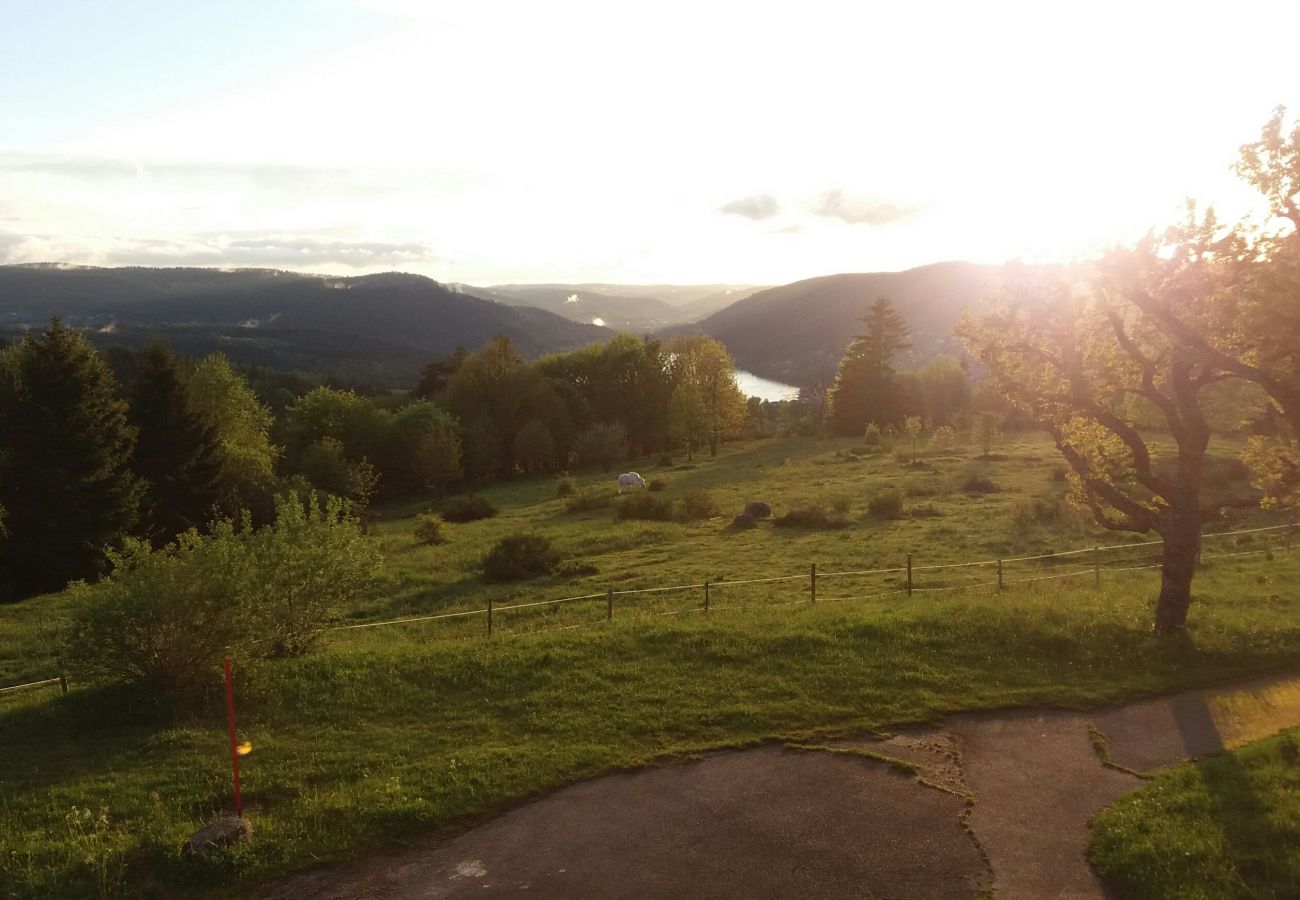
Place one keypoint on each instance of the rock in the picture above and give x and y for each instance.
(756, 509)
(221, 833)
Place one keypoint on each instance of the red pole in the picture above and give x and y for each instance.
(234, 748)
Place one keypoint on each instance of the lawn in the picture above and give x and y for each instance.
(392, 733)
(1227, 826)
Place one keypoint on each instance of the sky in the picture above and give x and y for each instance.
(571, 141)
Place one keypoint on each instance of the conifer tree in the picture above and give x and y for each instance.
(177, 454)
(865, 389)
(68, 490)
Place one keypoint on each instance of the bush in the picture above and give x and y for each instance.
(743, 521)
(665, 461)
(700, 505)
(810, 517)
(974, 483)
(567, 486)
(575, 568)
(872, 436)
(310, 562)
(942, 438)
(923, 511)
(657, 484)
(429, 531)
(842, 504)
(469, 509)
(588, 500)
(166, 617)
(519, 556)
(886, 505)
(1040, 510)
(644, 506)
(917, 488)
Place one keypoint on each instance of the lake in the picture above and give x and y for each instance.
(764, 388)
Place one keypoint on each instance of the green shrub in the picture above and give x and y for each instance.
(567, 486)
(588, 500)
(469, 509)
(429, 531)
(166, 617)
(1041, 511)
(657, 484)
(872, 436)
(519, 556)
(886, 504)
(700, 505)
(644, 506)
(743, 521)
(308, 564)
(810, 517)
(975, 483)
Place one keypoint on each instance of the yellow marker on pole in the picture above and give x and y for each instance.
(245, 748)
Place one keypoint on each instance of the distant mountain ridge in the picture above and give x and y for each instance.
(400, 318)
(790, 332)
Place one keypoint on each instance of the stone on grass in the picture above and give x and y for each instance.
(221, 833)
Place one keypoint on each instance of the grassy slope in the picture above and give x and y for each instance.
(397, 732)
(1228, 826)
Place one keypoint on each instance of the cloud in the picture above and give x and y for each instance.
(859, 210)
(287, 251)
(756, 207)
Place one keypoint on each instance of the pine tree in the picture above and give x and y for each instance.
(178, 453)
(68, 490)
(865, 384)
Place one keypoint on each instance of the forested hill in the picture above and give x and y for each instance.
(282, 319)
(792, 331)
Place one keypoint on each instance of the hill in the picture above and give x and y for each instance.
(790, 332)
(626, 307)
(391, 322)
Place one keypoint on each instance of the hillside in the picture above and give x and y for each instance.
(391, 322)
(790, 332)
(624, 307)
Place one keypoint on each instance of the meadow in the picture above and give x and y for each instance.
(395, 733)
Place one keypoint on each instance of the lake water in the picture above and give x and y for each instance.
(763, 388)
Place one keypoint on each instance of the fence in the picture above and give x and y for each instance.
(908, 579)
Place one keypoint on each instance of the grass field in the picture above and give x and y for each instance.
(1227, 826)
(395, 732)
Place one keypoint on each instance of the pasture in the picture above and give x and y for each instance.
(393, 733)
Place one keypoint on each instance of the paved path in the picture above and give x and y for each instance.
(1000, 802)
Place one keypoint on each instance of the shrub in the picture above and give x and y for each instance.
(810, 517)
(311, 561)
(872, 437)
(842, 504)
(469, 509)
(567, 486)
(943, 437)
(644, 506)
(665, 461)
(917, 488)
(588, 500)
(519, 556)
(429, 531)
(923, 511)
(166, 617)
(575, 568)
(886, 505)
(1040, 510)
(743, 521)
(700, 505)
(975, 483)
(657, 484)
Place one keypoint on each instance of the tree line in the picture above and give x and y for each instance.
(147, 446)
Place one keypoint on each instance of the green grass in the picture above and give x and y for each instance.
(394, 733)
(1227, 826)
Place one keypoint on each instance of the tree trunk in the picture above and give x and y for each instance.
(1181, 550)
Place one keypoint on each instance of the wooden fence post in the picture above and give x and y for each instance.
(812, 581)
(909, 574)
(1096, 566)
(609, 604)
(706, 596)
(489, 617)
(63, 683)
(999, 574)
(1290, 534)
